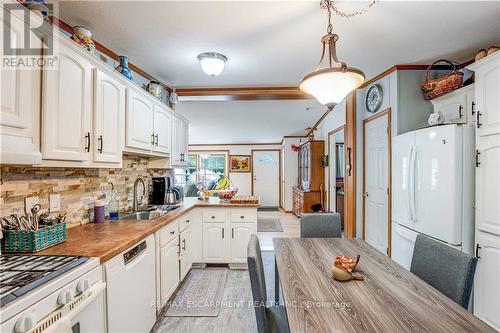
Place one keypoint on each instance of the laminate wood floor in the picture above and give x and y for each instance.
(237, 315)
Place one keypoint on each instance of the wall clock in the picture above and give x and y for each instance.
(373, 98)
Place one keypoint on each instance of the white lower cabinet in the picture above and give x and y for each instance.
(169, 269)
(226, 233)
(240, 236)
(486, 280)
(214, 245)
(186, 255)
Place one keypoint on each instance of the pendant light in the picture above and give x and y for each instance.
(331, 84)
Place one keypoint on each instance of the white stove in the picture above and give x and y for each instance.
(51, 293)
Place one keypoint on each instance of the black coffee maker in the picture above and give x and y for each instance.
(163, 192)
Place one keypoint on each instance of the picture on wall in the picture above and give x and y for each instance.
(239, 163)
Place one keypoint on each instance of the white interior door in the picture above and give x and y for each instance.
(376, 168)
(266, 174)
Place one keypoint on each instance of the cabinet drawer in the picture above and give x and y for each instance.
(244, 215)
(169, 232)
(185, 221)
(214, 216)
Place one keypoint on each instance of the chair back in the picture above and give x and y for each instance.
(257, 281)
(445, 268)
(320, 225)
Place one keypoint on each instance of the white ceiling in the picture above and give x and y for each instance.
(275, 43)
(248, 121)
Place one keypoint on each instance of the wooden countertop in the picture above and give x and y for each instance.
(390, 299)
(106, 240)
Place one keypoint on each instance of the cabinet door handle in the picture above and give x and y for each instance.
(99, 140)
(477, 251)
(477, 158)
(172, 232)
(156, 139)
(187, 221)
(232, 233)
(184, 245)
(473, 108)
(87, 144)
(460, 111)
(478, 114)
(222, 233)
(153, 139)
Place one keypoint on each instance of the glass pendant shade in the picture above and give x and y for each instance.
(331, 84)
(212, 63)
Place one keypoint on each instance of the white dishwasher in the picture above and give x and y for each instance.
(131, 291)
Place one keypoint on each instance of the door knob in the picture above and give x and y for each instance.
(365, 194)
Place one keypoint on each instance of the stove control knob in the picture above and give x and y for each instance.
(83, 285)
(65, 297)
(25, 323)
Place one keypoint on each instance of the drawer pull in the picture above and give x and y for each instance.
(172, 232)
(242, 217)
(213, 217)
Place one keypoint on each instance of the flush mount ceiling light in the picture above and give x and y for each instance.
(212, 63)
(331, 84)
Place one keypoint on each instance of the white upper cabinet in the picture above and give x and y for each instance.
(67, 108)
(140, 114)
(180, 141)
(487, 76)
(19, 104)
(456, 107)
(162, 129)
(109, 115)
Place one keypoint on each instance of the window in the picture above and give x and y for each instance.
(203, 167)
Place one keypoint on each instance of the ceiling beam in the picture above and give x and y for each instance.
(241, 94)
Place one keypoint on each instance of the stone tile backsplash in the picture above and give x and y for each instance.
(76, 186)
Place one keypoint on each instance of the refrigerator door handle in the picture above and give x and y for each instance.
(409, 181)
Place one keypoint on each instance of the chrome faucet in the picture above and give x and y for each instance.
(135, 204)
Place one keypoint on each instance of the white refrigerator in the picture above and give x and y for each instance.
(432, 189)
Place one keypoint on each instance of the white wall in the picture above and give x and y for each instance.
(243, 181)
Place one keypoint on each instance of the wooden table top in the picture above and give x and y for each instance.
(390, 299)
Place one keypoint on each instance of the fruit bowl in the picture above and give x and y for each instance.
(226, 194)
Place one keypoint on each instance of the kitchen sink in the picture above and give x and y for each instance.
(136, 216)
(144, 214)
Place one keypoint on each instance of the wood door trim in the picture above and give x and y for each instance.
(350, 195)
(386, 112)
(334, 131)
(279, 166)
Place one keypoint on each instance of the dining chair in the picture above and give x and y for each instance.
(269, 318)
(448, 270)
(320, 225)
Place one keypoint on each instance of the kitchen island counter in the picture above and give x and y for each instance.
(108, 239)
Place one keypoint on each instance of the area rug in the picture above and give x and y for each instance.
(269, 225)
(200, 295)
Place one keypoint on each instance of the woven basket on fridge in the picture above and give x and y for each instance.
(443, 85)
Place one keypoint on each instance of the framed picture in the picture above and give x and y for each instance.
(240, 163)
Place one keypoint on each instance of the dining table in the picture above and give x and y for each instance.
(388, 299)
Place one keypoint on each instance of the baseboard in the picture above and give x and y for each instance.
(242, 266)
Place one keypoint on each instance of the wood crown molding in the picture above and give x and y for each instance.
(241, 94)
(101, 48)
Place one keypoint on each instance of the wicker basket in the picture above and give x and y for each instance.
(33, 241)
(443, 85)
